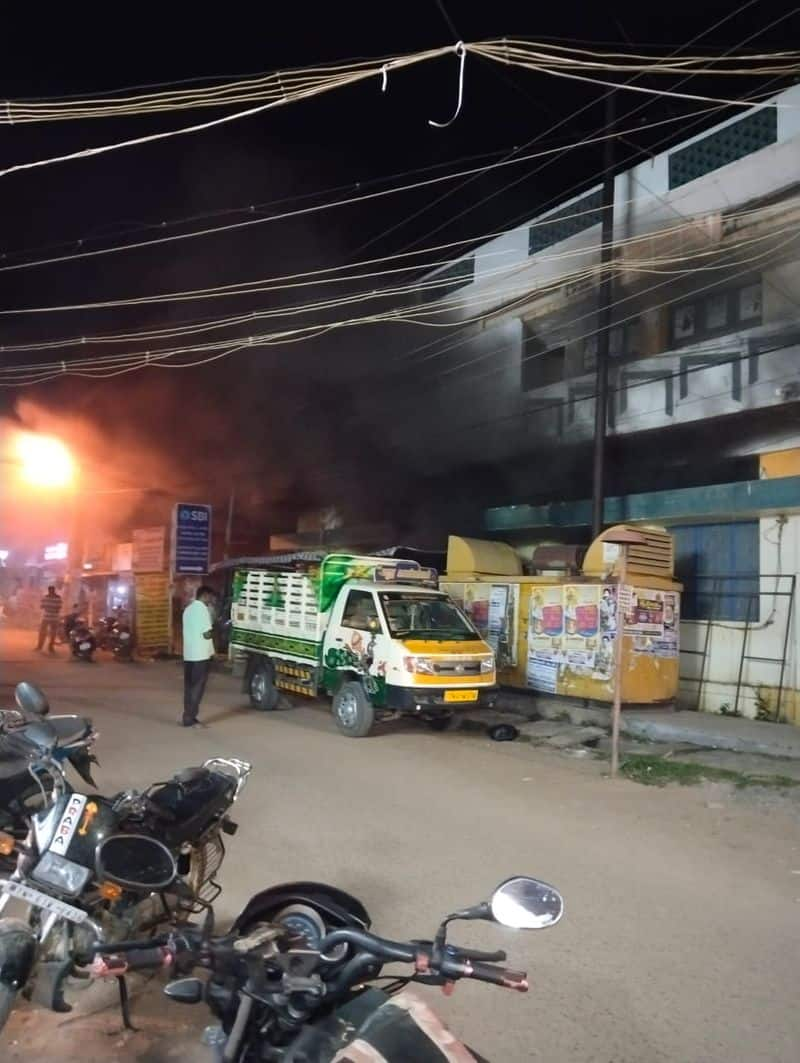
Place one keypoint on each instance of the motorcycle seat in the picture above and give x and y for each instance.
(70, 728)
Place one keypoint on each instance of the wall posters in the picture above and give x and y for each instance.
(152, 612)
(573, 628)
(147, 549)
(492, 608)
(653, 619)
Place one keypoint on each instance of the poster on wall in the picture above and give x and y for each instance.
(645, 616)
(476, 606)
(152, 611)
(542, 672)
(663, 644)
(147, 549)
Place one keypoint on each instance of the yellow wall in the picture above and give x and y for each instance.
(780, 463)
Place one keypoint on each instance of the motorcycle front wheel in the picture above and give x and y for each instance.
(7, 998)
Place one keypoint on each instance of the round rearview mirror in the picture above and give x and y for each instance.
(526, 904)
(31, 700)
(136, 862)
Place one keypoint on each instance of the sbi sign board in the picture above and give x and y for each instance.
(191, 539)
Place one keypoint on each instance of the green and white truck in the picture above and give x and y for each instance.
(373, 633)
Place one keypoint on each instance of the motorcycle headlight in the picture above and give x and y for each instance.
(487, 665)
(62, 874)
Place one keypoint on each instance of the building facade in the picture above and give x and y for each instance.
(704, 403)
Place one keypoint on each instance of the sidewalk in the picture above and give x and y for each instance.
(700, 729)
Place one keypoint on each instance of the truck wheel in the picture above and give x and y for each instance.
(262, 689)
(353, 711)
(440, 723)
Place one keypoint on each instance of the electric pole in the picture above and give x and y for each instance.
(604, 304)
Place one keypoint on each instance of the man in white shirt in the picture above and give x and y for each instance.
(198, 649)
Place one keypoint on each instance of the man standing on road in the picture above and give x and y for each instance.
(51, 612)
(198, 649)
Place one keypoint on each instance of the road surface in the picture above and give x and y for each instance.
(682, 930)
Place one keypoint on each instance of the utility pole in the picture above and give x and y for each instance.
(605, 300)
(229, 524)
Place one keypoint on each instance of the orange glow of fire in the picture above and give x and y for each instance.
(44, 460)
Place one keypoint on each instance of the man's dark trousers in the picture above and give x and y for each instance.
(195, 676)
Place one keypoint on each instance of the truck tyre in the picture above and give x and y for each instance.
(353, 711)
(261, 687)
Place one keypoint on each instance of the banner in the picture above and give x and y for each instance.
(191, 539)
(152, 612)
(147, 549)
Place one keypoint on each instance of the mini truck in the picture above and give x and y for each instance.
(373, 633)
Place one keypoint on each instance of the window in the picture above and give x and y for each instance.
(359, 609)
(540, 368)
(574, 218)
(624, 341)
(718, 565)
(459, 274)
(717, 314)
(683, 322)
(750, 303)
(716, 311)
(431, 616)
(756, 130)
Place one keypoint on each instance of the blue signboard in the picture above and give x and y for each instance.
(191, 540)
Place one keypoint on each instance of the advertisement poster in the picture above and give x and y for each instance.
(152, 612)
(665, 644)
(582, 610)
(646, 613)
(476, 606)
(502, 622)
(542, 673)
(147, 549)
(546, 615)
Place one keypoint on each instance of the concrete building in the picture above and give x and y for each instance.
(704, 411)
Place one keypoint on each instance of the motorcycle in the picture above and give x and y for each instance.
(122, 641)
(290, 983)
(82, 642)
(104, 631)
(80, 868)
(23, 792)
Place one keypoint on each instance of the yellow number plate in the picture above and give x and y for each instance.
(461, 695)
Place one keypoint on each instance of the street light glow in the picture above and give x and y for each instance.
(45, 461)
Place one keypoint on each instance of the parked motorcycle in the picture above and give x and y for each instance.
(104, 631)
(23, 732)
(83, 862)
(82, 642)
(122, 642)
(290, 983)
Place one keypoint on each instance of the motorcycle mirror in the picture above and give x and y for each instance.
(31, 700)
(185, 991)
(526, 904)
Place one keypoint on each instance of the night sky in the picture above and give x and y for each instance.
(268, 415)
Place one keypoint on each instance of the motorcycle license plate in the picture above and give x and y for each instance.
(42, 900)
(84, 646)
(461, 695)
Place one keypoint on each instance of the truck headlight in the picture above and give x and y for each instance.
(487, 665)
(420, 665)
(63, 875)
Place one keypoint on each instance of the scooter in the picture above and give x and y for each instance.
(82, 642)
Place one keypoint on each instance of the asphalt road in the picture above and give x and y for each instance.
(682, 930)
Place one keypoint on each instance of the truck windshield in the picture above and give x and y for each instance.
(425, 617)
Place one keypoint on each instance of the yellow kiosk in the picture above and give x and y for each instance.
(555, 631)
